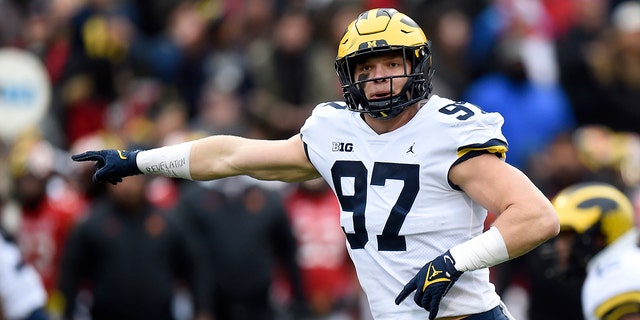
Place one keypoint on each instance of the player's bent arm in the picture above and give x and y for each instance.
(526, 217)
(221, 156)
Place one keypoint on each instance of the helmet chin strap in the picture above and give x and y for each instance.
(391, 112)
(388, 108)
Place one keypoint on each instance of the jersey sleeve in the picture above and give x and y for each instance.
(473, 130)
(323, 110)
(319, 123)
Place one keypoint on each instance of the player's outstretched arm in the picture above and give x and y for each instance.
(209, 158)
(222, 156)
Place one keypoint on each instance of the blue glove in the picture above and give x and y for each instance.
(111, 165)
(431, 283)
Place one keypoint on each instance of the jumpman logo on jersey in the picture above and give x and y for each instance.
(411, 149)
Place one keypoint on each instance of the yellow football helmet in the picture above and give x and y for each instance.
(595, 207)
(378, 31)
(598, 214)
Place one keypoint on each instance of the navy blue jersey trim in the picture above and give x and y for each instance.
(475, 150)
(306, 149)
(335, 105)
(467, 156)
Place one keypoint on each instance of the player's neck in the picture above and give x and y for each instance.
(385, 126)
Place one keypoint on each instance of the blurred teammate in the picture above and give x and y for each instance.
(598, 244)
(611, 290)
(414, 176)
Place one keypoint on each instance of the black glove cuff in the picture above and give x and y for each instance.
(131, 166)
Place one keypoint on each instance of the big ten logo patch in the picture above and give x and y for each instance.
(342, 147)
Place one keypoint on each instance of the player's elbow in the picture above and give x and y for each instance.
(548, 225)
(541, 222)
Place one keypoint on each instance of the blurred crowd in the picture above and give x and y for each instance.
(142, 74)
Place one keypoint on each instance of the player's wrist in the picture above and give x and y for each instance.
(485, 250)
(450, 264)
(170, 161)
(129, 157)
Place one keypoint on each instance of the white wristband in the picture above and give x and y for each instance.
(485, 250)
(169, 161)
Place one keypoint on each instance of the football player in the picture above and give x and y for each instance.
(414, 174)
(598, 238)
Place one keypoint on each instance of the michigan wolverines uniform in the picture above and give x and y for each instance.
(613, 279)
(398, 208)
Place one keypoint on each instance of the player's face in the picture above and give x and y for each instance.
(563, 243)
(380, 68)
(635, 316)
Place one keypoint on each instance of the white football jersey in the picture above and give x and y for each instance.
(611, 274)
(21, 289)
(398, 208)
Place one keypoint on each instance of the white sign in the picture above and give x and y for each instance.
(25, 91)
